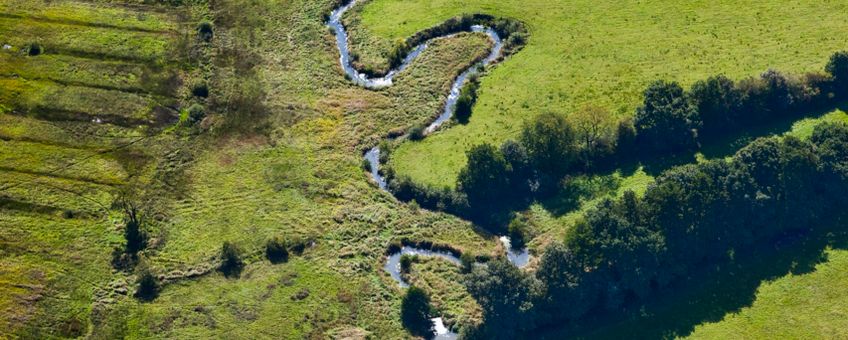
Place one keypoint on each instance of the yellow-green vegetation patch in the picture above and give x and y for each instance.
(73, 134)
(55, 101)
(443, 281)
(88, 72)
(91, 14)
(58, 193)
(585, 52)
(804, 128)
(55, 275)
(56, 161)
(94, 42)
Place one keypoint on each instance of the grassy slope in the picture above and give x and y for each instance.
(588, 52)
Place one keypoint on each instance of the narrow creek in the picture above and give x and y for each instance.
(518, 257)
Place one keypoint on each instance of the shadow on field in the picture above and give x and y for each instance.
(714, 291)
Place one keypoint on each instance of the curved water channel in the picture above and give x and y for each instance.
(518, 257)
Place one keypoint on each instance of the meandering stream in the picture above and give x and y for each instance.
(392, 266)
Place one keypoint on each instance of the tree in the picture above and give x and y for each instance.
(719, 104)
(569, 292)
(594, 127)
(519, 161)
(415, 312)
(506, 295)
(231, 262)
(136, 237)
(517, 231)
(668, 120)
(838, 68)
(406, 263)
(485, 178)
(550, 141)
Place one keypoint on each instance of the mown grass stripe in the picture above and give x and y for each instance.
(72, 22)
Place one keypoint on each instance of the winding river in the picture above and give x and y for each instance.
(518, 257)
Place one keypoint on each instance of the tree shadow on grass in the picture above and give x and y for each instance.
(709, 294)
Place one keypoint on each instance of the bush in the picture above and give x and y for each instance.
(467, 260)
(33, 49)
(200, 90)
(136, 237)
(204, 31)
(415, 312)
(485, 178)
(147, 284)
(667, 120)
(837, 67)
(517, 232)
(196, 113)
(550, 141)
(466, 100)
(231, 262)
(276, 250)
(406, 261)
(416, 133)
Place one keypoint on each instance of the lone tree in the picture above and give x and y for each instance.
(550, 141)
(415, 312)
(231, 262)
(136, 238)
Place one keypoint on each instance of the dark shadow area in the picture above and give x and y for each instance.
(718, 288)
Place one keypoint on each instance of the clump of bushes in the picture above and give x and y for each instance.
(276, 250)
(416, 133)
(196, 113)
(467, 99)
(231, 260)
(517, 232)
(415, 312)
(406, 261)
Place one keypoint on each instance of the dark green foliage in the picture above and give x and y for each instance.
(467, 260)
(467, 99)
(444, 199)
(517, 232)
(522, 170)
(416, 133)
(550, 142)
(33, 49)
(204, 31)
(196, 113)
(415, 312)
(406, 263)
(837, 67)
(667, 120)
(200, 90)
(693, 216)
(231, 262)
(276, 250)
(485, 179)
(136, 238)
(147, 284)
(506, 294)
(625, 138)
(719, 103)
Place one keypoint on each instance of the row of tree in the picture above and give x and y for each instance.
(670, 120)
(630, 248)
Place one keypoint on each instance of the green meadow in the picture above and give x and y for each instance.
(585, 52)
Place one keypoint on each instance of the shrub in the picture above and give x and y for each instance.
(406, 261)
(485, 178)
(276, 250)
(147, 284)
(136, 237)
(196, 113)
(231, 262)
(517, 232)
(200, 90)
(33, 49)
(466, 100)
(467, 261)
(416, 133)
(838, 68)
(204, 31)
(415, 312)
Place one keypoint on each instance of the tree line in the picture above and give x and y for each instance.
(670, 120)
(627, 249)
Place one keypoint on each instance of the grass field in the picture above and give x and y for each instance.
(295, 169)
(583, 52)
